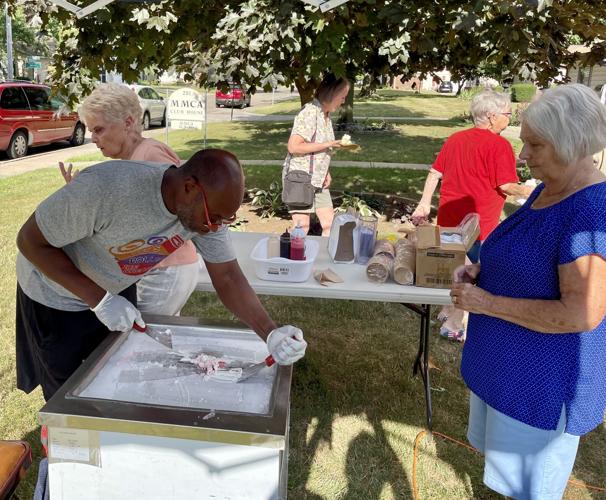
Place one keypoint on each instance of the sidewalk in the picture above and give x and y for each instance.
(21, 169)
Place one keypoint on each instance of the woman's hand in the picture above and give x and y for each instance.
(336, 144)
(466, 274)
(470, 298)
(67, 174)
(327, 181)
(419, 216)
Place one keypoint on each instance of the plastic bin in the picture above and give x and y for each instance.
(280, 269)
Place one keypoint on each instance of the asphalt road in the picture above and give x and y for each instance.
(49, 156)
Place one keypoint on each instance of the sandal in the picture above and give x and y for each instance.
(457, 336)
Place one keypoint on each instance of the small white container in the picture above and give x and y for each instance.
(280, 269)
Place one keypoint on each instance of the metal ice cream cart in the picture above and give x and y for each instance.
(128, 424)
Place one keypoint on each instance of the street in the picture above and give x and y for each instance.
(51, 155)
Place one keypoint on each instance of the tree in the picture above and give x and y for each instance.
(265, 42)
(26, 41)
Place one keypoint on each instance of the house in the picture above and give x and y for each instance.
(592, 76)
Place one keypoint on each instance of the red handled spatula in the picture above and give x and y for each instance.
(163, 338)
(256, 368)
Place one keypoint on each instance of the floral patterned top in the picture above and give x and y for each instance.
(308, 122)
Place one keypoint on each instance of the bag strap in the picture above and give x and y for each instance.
(311, 156)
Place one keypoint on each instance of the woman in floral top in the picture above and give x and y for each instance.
(310, 146)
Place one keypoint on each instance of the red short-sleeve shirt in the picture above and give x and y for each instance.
(473, 164)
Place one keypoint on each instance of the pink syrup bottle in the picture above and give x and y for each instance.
(297, 249)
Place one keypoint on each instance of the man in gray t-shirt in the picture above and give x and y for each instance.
(93, 239)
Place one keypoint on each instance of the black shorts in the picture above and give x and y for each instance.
(51, 344)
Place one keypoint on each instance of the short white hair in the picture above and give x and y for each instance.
(571, 118)
(115, 101)
(488, 102)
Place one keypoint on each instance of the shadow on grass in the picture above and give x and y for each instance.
(355, 407)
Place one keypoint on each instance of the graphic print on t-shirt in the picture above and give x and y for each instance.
(139, 256)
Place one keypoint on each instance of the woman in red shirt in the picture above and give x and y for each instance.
(478, 171)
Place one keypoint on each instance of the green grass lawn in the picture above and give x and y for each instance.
(387, 102)
(416, 142)
(355, 407)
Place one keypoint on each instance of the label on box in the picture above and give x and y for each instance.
(278, 270)
(438, 280)
(442, 255)
(73, 445)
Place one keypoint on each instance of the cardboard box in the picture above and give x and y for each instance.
(439, 254)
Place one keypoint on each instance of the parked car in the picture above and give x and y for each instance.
(29, 116)
(152, 104)
(236, 96)
(445, 87)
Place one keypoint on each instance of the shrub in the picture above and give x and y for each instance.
(364, 125)
(360, 205)
(516, 116)
(523, 92)
(523, 171)
(469, 94)
(269, 201)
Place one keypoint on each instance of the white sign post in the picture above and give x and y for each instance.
(186, 109)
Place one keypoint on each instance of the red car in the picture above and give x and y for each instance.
(29, 116)
(236, 96)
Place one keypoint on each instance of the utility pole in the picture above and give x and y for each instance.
(9, 44)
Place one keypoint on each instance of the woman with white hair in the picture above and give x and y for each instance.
(113, 115)
(477, 168)
(535, 356)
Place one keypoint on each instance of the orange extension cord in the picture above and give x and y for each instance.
(422, 434)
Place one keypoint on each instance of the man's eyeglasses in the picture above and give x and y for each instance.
(217, 223)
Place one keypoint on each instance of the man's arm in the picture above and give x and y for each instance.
(237, 295)
(517, 190)
(55, 263)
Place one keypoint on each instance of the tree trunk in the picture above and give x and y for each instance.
(460, 89)
(306, 89)
(346, 110)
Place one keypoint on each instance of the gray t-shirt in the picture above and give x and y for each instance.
(113, 224)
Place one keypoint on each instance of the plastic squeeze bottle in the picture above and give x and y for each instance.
(285, 245)
(273, 246)
(297, 249)
(297, 243)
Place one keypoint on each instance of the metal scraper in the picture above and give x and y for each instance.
(163, 338)
(256, 368)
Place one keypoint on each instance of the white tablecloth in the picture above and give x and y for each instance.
(355, 285)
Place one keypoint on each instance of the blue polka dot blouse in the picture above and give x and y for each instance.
(522, 373)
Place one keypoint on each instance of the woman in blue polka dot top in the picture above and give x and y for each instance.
(535, 355)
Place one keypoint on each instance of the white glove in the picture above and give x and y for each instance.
(286, 344)
(117, 313)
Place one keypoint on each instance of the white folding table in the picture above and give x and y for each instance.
(355, 286)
